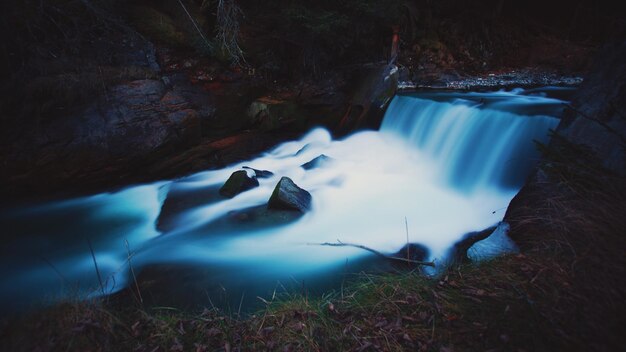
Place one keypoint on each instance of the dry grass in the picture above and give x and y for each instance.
(574, 220)
(470, 308)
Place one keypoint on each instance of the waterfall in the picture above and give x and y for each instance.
(448, 163)
(475, 146)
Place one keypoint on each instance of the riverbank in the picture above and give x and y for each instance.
(140, 95)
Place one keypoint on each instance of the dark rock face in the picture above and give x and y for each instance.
(238, 182)
(597, 121)
(132, 120)
(574, 200)
(320, 161)
(369, 101)
(288, 196)
(528, 203)
(413, 251)
(139, 117)
(598, 117)
(260, 173)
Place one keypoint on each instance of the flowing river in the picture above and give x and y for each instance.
(447, 163)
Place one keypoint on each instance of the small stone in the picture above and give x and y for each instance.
(237, 183)
(320, 161)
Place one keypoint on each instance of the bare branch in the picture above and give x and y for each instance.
(195, 25)
(228, 14)
(342, 244)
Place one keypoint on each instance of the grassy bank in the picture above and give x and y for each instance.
(477, 307)
(511, 303)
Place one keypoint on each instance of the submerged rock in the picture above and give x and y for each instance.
(238, 182)
(255, 218)
(260, 173)
(288, 196)
(412, 251)
(458, 253)
(181, 199)
(320, 161)
(303, 149)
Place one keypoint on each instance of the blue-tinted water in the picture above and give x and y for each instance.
(448, 162)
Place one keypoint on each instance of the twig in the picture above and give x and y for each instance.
(95, 264)
(104, 87)
(132, 271)
(195, 25)
(65, 282)
(408, 248)
(228, 29)
(342, 244)
(240, 304)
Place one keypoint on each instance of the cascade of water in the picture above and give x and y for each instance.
(450, 164)
(474, 147)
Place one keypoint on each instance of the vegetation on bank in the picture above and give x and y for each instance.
(563, 292)
(468, 308)
(60, 53)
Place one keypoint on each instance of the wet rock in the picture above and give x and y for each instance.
(180, 199)
(288, 196)
(320, 161)
(257, 111)
(260, 173)
(435, 78)
(134, 119)
(413, 251)
(458, 253)
(268, 113)
(237, 183)
(496, 244)
(370, 99)
(597, 119)
(256, 218)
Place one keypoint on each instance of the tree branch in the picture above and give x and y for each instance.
(342, 244)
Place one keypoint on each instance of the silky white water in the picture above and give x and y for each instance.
(449, 165)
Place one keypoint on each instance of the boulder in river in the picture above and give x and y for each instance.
(320, 161)
(458, 253)
(288, 196)
(238, 182)
(260, 173)
(413, 251)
